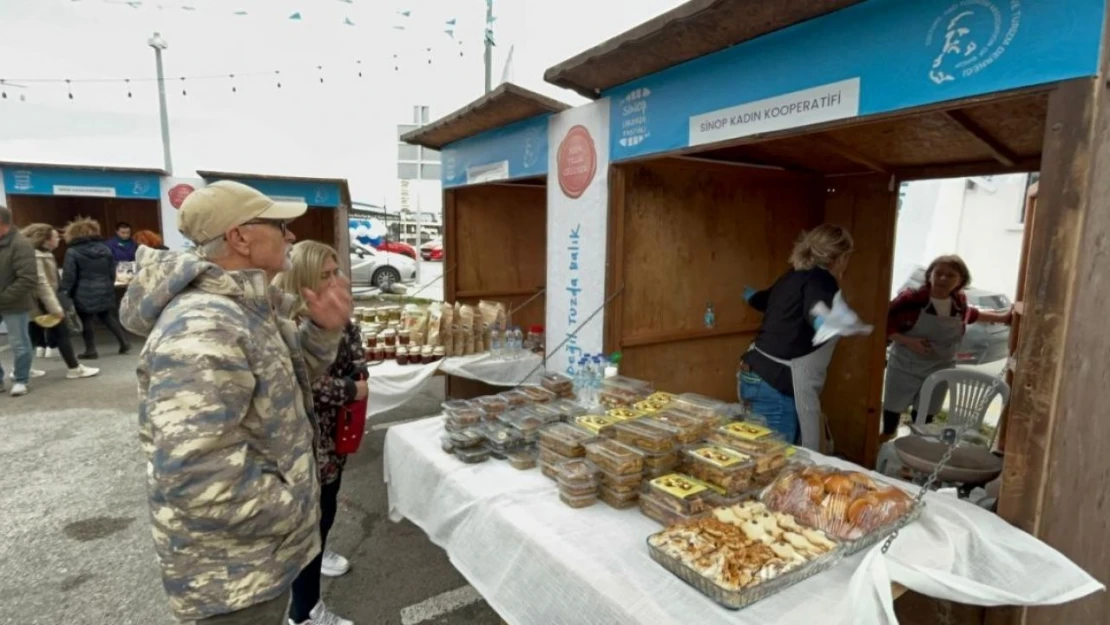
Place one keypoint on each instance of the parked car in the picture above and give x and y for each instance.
(377, 268)
(983, 342)
(397, 247)
(432, 250)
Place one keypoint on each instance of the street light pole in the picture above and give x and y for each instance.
(160, 44)
(489, 45)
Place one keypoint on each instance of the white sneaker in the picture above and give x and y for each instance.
(334, 564)
(50, 353)
(18, 389)
(40, 352)
(81, 372)
(37, 373)
(321, 616)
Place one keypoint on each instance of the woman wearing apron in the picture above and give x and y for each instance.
(925, 327)
(782, 374)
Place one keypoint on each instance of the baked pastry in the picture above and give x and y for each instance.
(846, 505)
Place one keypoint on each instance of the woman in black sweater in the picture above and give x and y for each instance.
(89, 279)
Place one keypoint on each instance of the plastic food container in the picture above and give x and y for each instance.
(680, 493)
(578, 472)
(582, 501)
(466, 439)
(645, 434)
(618, 500)
(551, 456)
(567, 409)
(624, 414)
(549, 471)
(687, 428)
(701, 405)
(473, 455)
(768, 451)
(661, 463)
(619, 391)
(651, 406)
(458, 406)
(549, 414)
(726, 468)
(492, 404)
(616, 458)
(653, 508)
(464, 420)
(524, 419)
(503, 438)
(557, 383)
(622, 483)
(516, 398)
(578, 489)
(447, 444)
(565, 439)
(522, 460)
(536, 393)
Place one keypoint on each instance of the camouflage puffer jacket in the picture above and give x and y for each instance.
(225, 421)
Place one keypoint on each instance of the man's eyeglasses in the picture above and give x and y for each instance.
(280, 225)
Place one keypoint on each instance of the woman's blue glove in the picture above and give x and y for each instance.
(818, 322)
(748, 293)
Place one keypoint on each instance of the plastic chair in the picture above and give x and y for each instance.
(970, 395)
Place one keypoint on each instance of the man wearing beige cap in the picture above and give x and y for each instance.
(225, 406)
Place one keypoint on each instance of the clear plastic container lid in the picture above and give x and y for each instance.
(665, 460)
(566, 439)
(467, 438)
(516, 398)
(503, 437)
(473, 454)
(687, 427)
(456, 404)
(552, 457)
(651, 406)
(578, 471)
(567, 409)
(680, 492)
(522, 460)
(582, 501)
(597, 424)
(536, 393)
(492, 404)
(615, 458)
(578, 488)
(655, 508)
(761, 443)
(700, 404)
(621, 383)
(720, 458)
(625, 413)
(549, 414)
(557, 382)
(619, 482)
(645, 434)
(525, 419)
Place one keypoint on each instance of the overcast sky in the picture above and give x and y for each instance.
(343, 127)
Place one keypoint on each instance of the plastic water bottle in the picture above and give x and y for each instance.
(518, 343)
(494, 342)
(598, 374)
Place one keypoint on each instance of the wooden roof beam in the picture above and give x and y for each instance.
(852, 154)
(1000, 152)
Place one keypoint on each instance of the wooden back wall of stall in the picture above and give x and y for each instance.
(59, 211)
(495, 249)
(685, 234)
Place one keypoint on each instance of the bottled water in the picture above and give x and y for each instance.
(494, 342)
(598, 374)
(517, 343)
(582, 382)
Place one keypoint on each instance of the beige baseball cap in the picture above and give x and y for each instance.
(211, 211)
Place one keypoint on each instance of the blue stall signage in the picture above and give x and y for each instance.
(518, 150)
(81, 183)
(875, 57)
(322, 194)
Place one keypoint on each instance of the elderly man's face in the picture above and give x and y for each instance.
(269, 243)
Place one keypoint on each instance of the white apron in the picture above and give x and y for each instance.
(906, 371)
(808, 376)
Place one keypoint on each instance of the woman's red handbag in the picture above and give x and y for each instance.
(351, 425)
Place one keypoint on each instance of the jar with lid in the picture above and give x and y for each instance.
(372, 340)
(390, 352)
(536, 339)
(379, 353)
(404, 337)
(438, 353)
(389, 337)
(427, 355)
(402, 355)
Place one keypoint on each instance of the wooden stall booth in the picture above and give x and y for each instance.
(328, 200)
(59, 194)
(494, 154)
(735, 125)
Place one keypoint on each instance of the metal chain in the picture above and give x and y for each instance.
(917, 501)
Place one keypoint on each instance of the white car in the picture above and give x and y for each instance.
(376, 268)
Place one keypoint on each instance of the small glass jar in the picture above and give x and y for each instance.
(404, 338)
(372, 341)
(427, 355)
(438, 354)
(390, 352)
(379, 353)
(389, 337)
(402, 355)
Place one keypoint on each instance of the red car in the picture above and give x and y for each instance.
(397, 248)
(432, 250)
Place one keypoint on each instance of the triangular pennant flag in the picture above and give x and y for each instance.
(405, 13)
(452, 21)
(240, 13)
(450, 33)
(348, 21)
(295, 16)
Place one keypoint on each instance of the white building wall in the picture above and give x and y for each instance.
(979, 219)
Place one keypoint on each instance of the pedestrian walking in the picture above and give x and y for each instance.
(225, 406)
(44, 238)
(89, 279)
(18, 277)
(314, 266)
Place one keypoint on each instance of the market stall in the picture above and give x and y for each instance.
(735, 125)
(58, 194)
(328, 200)
(495, 155)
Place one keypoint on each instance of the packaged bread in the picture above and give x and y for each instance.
(466, 327)
(492, 315)
(447, 329)
(435, 317)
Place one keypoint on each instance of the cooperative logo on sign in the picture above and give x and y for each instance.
(634, 108)
(970, 36)
(577, 162)
(531, 148)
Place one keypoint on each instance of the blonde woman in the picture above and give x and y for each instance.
(89, 279)
(44, 238)
(314, 265)
(782, 375)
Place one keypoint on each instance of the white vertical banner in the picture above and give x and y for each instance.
(3, 192)
(577, 221)
(174, 192)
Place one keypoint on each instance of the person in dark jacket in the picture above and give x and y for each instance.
(89, 279)
(122, 245)
(18, 278)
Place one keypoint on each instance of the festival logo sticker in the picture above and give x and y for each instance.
(577, 162)
(970, 36)
(178, 193)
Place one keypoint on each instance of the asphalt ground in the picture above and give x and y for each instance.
(75, 544)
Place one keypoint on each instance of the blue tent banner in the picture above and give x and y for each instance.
(322, 194)
(875, 57)
(81, 183)
(518, 150)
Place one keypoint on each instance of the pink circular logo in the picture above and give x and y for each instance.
(577, 162)
(178, 193)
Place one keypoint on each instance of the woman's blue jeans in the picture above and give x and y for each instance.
(763, 400)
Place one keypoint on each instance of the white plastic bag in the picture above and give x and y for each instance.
(838, 321)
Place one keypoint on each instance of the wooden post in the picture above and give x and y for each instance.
(1058, 440)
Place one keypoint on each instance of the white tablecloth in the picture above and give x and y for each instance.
(539, 562)
(391, 385)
